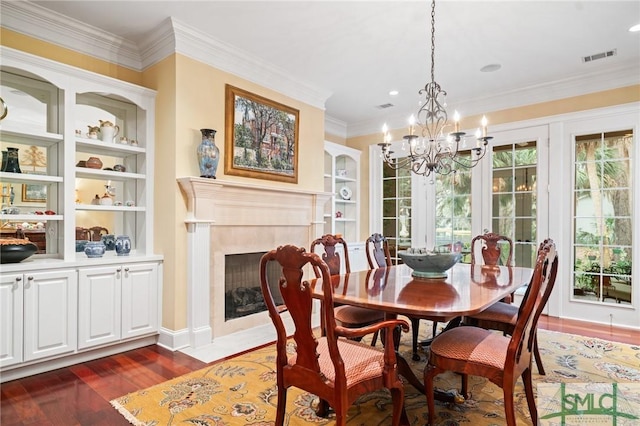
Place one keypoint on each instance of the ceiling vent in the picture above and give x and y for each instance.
(599, 56)
(384, 106)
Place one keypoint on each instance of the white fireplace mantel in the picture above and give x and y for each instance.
(226, 217)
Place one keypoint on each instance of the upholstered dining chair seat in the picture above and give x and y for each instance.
(347, 315)
(499, 312)
(473, 347)
(360, 363)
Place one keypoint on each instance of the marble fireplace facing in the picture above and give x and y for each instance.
(226, 219)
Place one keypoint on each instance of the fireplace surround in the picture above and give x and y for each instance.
(227, 218)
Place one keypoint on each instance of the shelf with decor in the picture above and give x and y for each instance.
(342, 178)
(54, 111)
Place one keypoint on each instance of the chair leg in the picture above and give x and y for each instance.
(323, 408)
(397, 397)
(374, 339)
(538, 357)
(415, 328)
(531, 400)
(434, 329)
(509, 409)
(430, 372)
(282, 405)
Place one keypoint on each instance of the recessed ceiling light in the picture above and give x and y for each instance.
(393, 93)
(491, 68)
(635, 28)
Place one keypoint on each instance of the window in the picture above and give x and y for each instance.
(602, 217)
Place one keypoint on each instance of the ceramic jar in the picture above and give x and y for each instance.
(123, 245)
(208, 154)
(11, 165)
(94, 163)
(94, 249)
(109, 241)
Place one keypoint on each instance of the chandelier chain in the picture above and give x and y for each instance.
(433, 41)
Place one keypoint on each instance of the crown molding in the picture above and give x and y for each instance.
(622, 75)
(38, 22)
(170, 37)
(226, 57)
(335, 127)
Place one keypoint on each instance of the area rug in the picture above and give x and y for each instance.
(242, 390)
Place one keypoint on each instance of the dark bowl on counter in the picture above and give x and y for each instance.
(14, 253)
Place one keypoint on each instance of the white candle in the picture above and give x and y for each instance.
(412, 122)
(484, 126)
(456, 121)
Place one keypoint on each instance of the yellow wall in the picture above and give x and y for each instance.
(546, 109)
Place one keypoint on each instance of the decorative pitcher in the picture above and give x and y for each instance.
(108, 131)
(208, 154)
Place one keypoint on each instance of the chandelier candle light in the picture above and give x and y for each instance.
(432, 151)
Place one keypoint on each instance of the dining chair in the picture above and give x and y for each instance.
(335, 369)
(378, 256)
(500, 316)
(501, 359)
(346, 315)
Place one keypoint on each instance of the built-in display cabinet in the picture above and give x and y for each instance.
(342, 179)
(84, 146)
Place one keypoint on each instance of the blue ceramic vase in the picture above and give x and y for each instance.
(95, 249)
(208, 154)
(109, 241)
(123, 245)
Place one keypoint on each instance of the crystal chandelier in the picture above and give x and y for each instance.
(433, 151)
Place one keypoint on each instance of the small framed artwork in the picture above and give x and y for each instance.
(261, 137)
(34, 193)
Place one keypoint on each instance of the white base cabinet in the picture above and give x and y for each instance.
(117, 302)
(39, 315)
(57, 317)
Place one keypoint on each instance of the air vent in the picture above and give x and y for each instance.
(599, 56)
(384, 106)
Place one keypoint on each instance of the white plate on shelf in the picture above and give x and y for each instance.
(345, 193)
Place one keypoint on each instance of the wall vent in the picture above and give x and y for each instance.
(384, 106)
(601, 55)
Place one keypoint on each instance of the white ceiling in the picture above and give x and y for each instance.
(359, 50)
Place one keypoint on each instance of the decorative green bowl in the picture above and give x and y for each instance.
(427, 264)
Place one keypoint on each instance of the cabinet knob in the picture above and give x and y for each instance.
(119, 270)
(29, 278)
(126, 269)
(18, 279)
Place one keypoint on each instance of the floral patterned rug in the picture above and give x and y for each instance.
(242, 390)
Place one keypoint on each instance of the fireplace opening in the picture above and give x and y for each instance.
(242, 284)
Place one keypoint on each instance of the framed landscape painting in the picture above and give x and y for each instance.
(261, 137)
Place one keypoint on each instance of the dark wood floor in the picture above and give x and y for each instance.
(80, 394)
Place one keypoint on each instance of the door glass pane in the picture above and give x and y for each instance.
(603, 225)
(514, 198)
(396, 209)
(453, 208)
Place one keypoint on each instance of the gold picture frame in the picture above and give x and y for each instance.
(261, 137)
(34, 193)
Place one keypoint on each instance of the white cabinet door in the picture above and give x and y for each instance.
(10, 319)
(99, 309)
(50, 313)
(140, 299)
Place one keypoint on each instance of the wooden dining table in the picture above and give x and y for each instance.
(466, 290)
